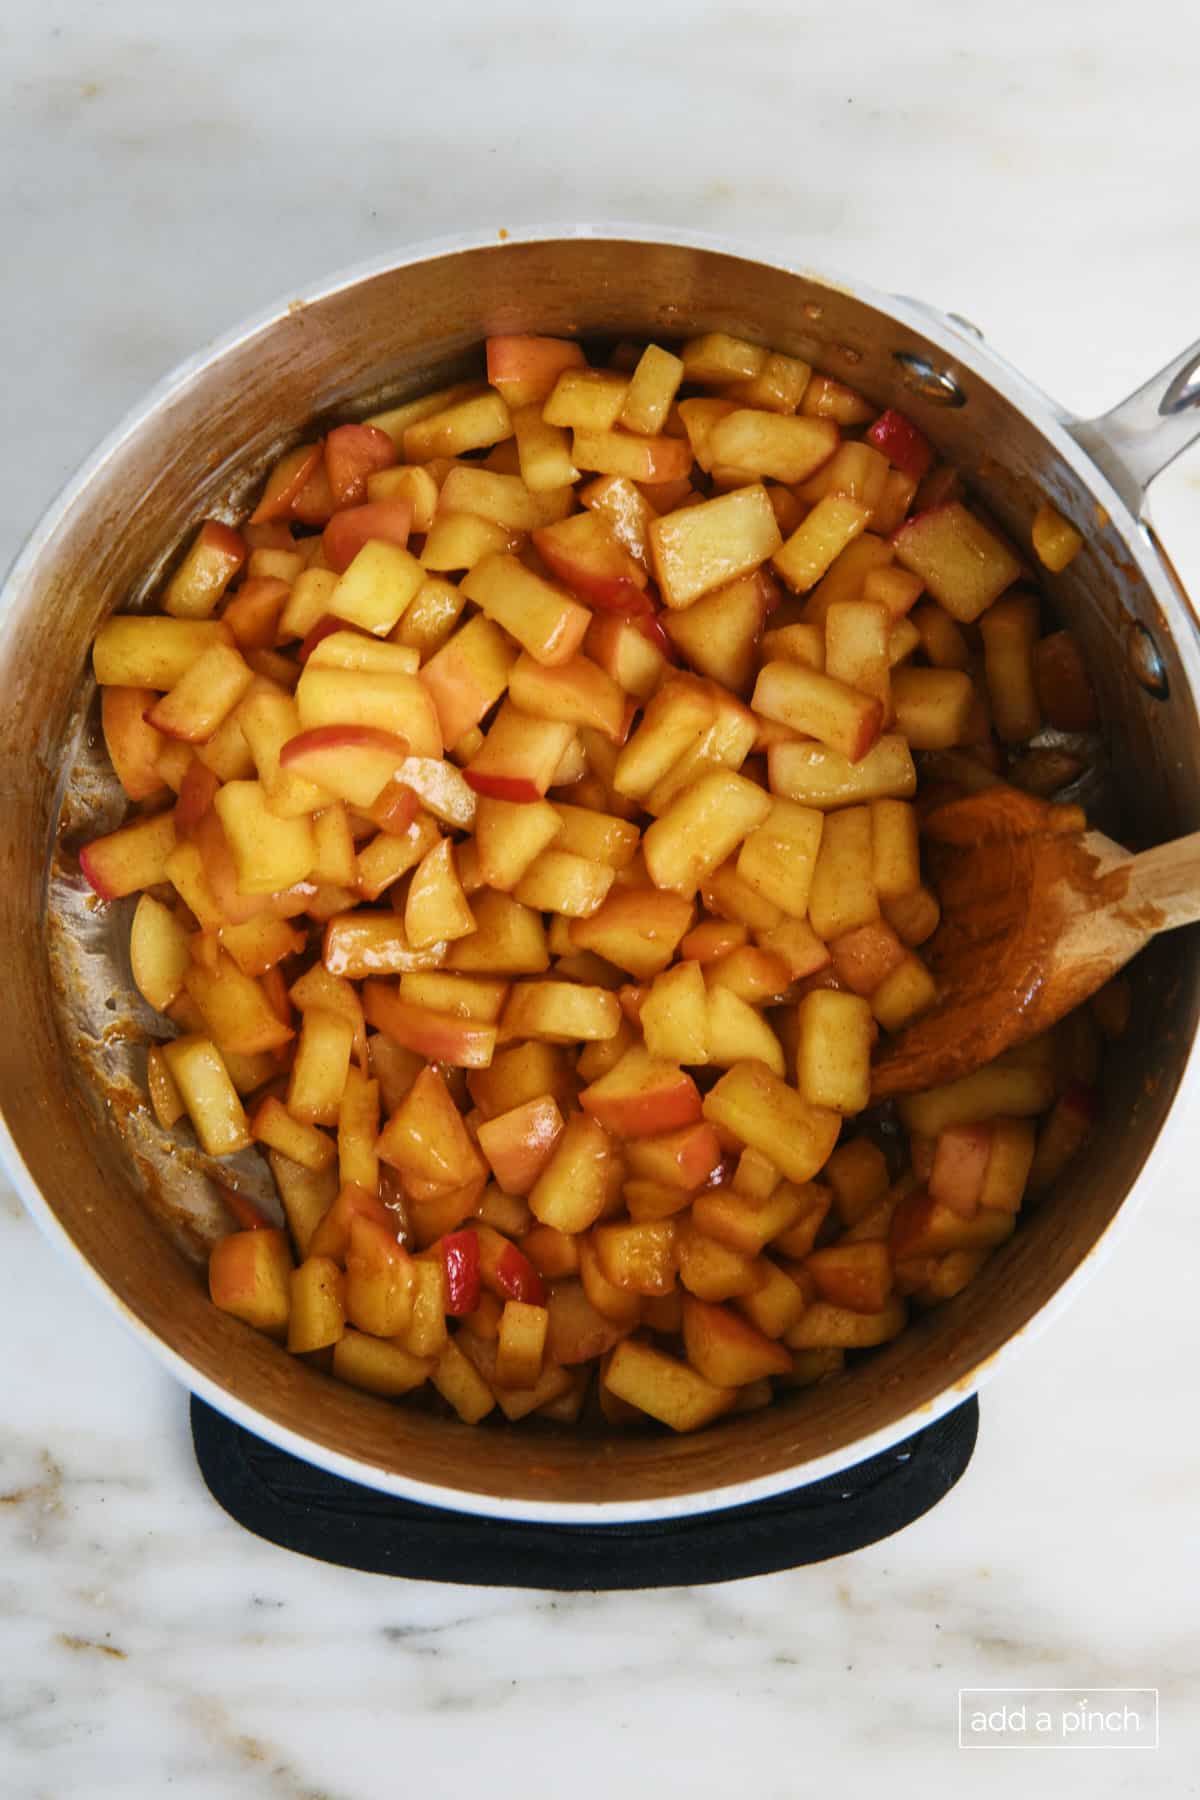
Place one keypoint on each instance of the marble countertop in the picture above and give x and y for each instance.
(166, 170)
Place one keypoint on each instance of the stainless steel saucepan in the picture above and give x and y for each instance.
(134, 1215)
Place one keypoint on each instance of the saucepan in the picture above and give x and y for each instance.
(135, 1217)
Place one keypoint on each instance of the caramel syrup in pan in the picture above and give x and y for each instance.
(1010, 872)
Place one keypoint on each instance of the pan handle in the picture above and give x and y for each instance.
(1137, 438)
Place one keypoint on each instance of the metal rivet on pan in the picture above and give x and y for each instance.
(1146, 662)
(924, 378)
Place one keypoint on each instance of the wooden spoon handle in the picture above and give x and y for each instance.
(1164, 885)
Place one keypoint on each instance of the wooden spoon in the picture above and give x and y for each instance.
(1037, 913)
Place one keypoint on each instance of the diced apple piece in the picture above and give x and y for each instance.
(439, 1036)
(586, 399)
(210, 1097)
(461, 1385)
(521, 1344)
(796, 946)
(674, 1015)
(726, 1349)
(352, 454)
(933, 706)
(653, 387)
(519, 1143)
(779, 384)
(857, 1276)
(905, 447)
(410, 483)
(778, 857)
(858, 1174)
(638, 1257)
(663, 1387)
(824, 1326)
(577, 1331)
(503, 499)
(960, 1164)
(165, 1098)
(833, 1066)
(468, 424)
(904, 994)
(736, 1033)
(436, 909)
(1010, 1161)
(468, 675)
(577, 692)
(321, 1067)
(365, 943)
(380, 1367)
(964, 565)
(638, 929)
(544, 621)
(776, 1303)
(769, 444)
(824, 778)
(677, 716)
(683, 1159)
(274, 1126)
(760, 1110)
(543, 451)
(704, 547)
(598, 836)
(203, 696)
(717, 357)
(457, 541)
(571, 1191)
(131, 858)
(145, 651)
(923, 1226)
(509, 939)
(133, 746)
(719, 633)
(519, 756)
(329, 1235)
(649, 460)
(843, 718)
(624, 650)
(249, 1275)
(582, 552)
(398, 704)
(307, 603)
(235, 1008)
(994, 1091)
(379, 1280)
(353, 763)
(642, 1097)
(426, 1136)
(560, 1012)
(377, 587)
(214, 557)
(318, 1317)
(524, 369)
(866, 956)
(744, 1223)
(842, 895)
(726, 894)
(521, 1072)
(702, 828)
(505, 1270)
(269, 853)
(712, 1270)
(833, 523)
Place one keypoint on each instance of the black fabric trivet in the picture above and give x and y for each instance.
(301, 1508)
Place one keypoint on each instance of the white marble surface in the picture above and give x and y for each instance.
(166, 170)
